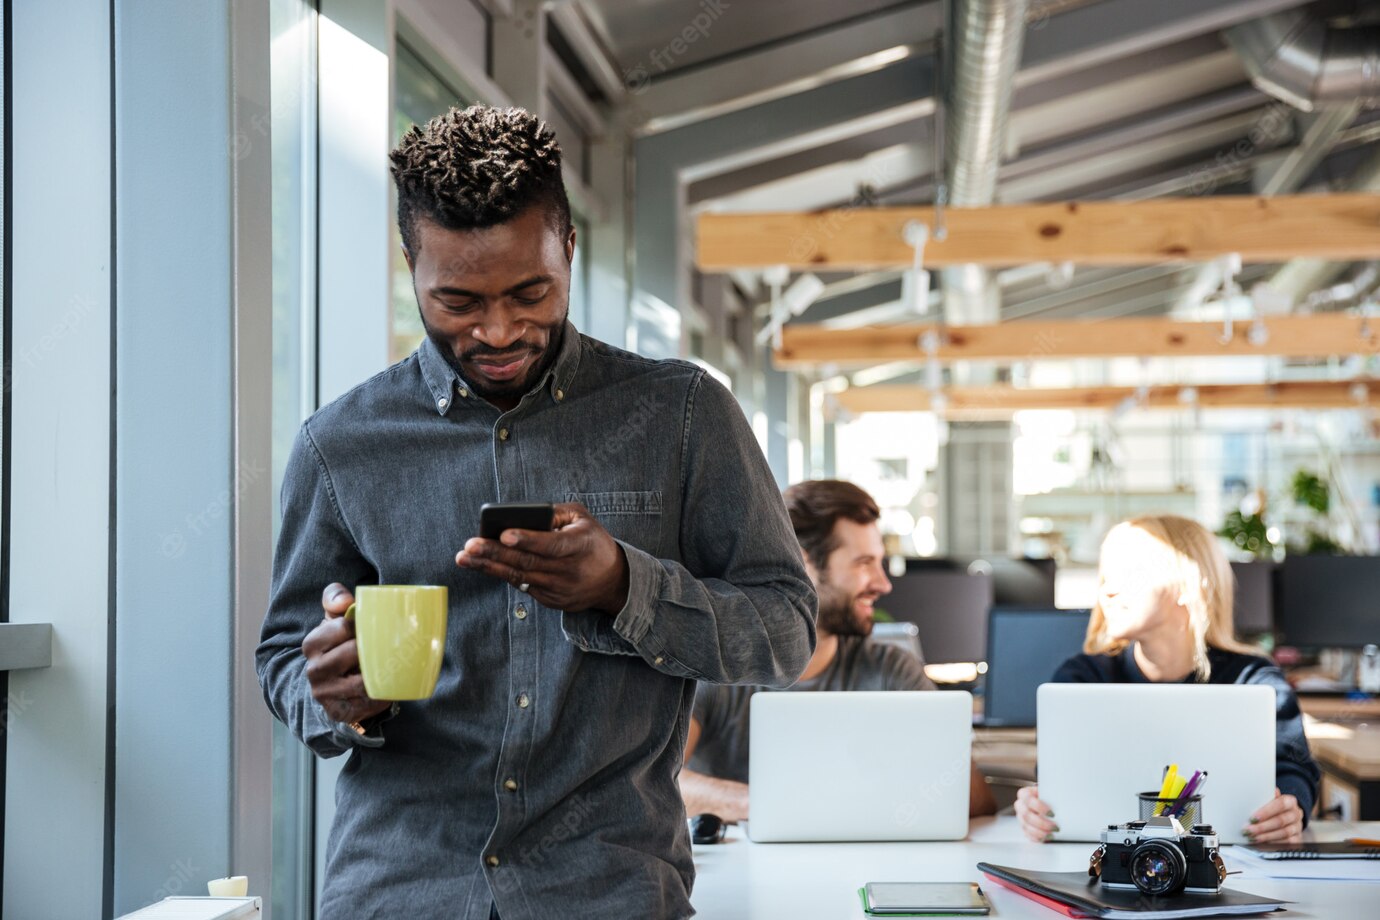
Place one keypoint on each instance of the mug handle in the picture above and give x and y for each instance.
(350, 611)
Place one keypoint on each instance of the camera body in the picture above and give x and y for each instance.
(1158, 857)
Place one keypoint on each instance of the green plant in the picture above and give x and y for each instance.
(1247, 532)
(1313, 492)
(1317, 543)
(1310, 490)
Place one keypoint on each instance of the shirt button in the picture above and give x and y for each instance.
(492, 861)
(510, 785)
(464, 393)
(560, 395)
(658, 660)
(443, 402)
(523, 701)
(503, 434)
(520, 612)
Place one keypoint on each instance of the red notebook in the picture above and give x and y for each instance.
(1076, 894)
(1040, 899)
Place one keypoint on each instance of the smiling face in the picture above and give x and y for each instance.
(1138, 588)
(852, 581)
(494, 300)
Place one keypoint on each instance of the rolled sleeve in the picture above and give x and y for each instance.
(644, 589)
(314, 549)
(738, 608)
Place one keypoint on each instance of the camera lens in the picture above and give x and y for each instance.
(1158, 867)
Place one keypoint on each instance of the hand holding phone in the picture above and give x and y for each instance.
(560, 555)
(496, 517)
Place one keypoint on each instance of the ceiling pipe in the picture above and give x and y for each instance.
(984, 40)
(1300, 59)
(1319, 139)
(1299, 278)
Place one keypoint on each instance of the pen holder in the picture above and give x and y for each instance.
(1152, 806)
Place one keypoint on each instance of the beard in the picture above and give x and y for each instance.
(513, 388)
(837, 612)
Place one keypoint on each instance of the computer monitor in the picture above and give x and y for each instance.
(1327, 601)
(1015, 582)
(905, 636)
(950, 609)
(1024, 582)
(1253, 605)
(1024, 648)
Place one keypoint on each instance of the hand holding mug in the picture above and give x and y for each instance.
(333, 662)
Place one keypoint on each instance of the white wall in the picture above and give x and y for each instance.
(58, 722)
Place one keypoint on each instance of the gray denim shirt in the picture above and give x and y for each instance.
(542, 774)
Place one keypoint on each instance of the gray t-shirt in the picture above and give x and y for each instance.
(724, 711)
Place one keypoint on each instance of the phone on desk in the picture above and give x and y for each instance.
(900, 899)
(496, 517)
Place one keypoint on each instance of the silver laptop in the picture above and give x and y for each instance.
(1099, 745)
(860, 766)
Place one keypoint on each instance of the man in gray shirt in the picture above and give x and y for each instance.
(539, 780)
(836, 525)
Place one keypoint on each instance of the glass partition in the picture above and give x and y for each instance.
(420, 94)
(293, 132)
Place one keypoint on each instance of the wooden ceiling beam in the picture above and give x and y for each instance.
(1294, 336)
(1340, 227)
(1001, 401)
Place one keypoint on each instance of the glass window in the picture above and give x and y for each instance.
(419, 96)
(574, 144)
(292, 125)
(579, 276)
(5, 425)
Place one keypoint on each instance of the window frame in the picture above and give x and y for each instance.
(293, 99)
(7, 357)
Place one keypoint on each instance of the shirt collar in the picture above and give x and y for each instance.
(561, 374)
(447, 386)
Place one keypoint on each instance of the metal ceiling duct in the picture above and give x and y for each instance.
(985, 39)
(1299, 278)
(1300, 59)
(1303, 61)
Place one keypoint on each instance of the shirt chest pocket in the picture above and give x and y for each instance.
(633, 517)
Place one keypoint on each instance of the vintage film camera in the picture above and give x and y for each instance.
(1158, 857)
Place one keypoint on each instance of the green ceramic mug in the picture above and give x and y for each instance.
(400, 631)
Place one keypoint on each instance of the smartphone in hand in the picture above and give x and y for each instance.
(496, 517)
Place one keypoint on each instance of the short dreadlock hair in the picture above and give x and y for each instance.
(477, 167)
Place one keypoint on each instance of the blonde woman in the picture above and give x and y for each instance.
(1164, 616)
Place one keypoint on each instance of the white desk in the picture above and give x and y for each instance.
(742, 880)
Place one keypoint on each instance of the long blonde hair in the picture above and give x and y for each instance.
(1196, 567)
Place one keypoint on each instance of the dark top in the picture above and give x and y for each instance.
(1295, 772)
(541, 775)
(724, 712)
